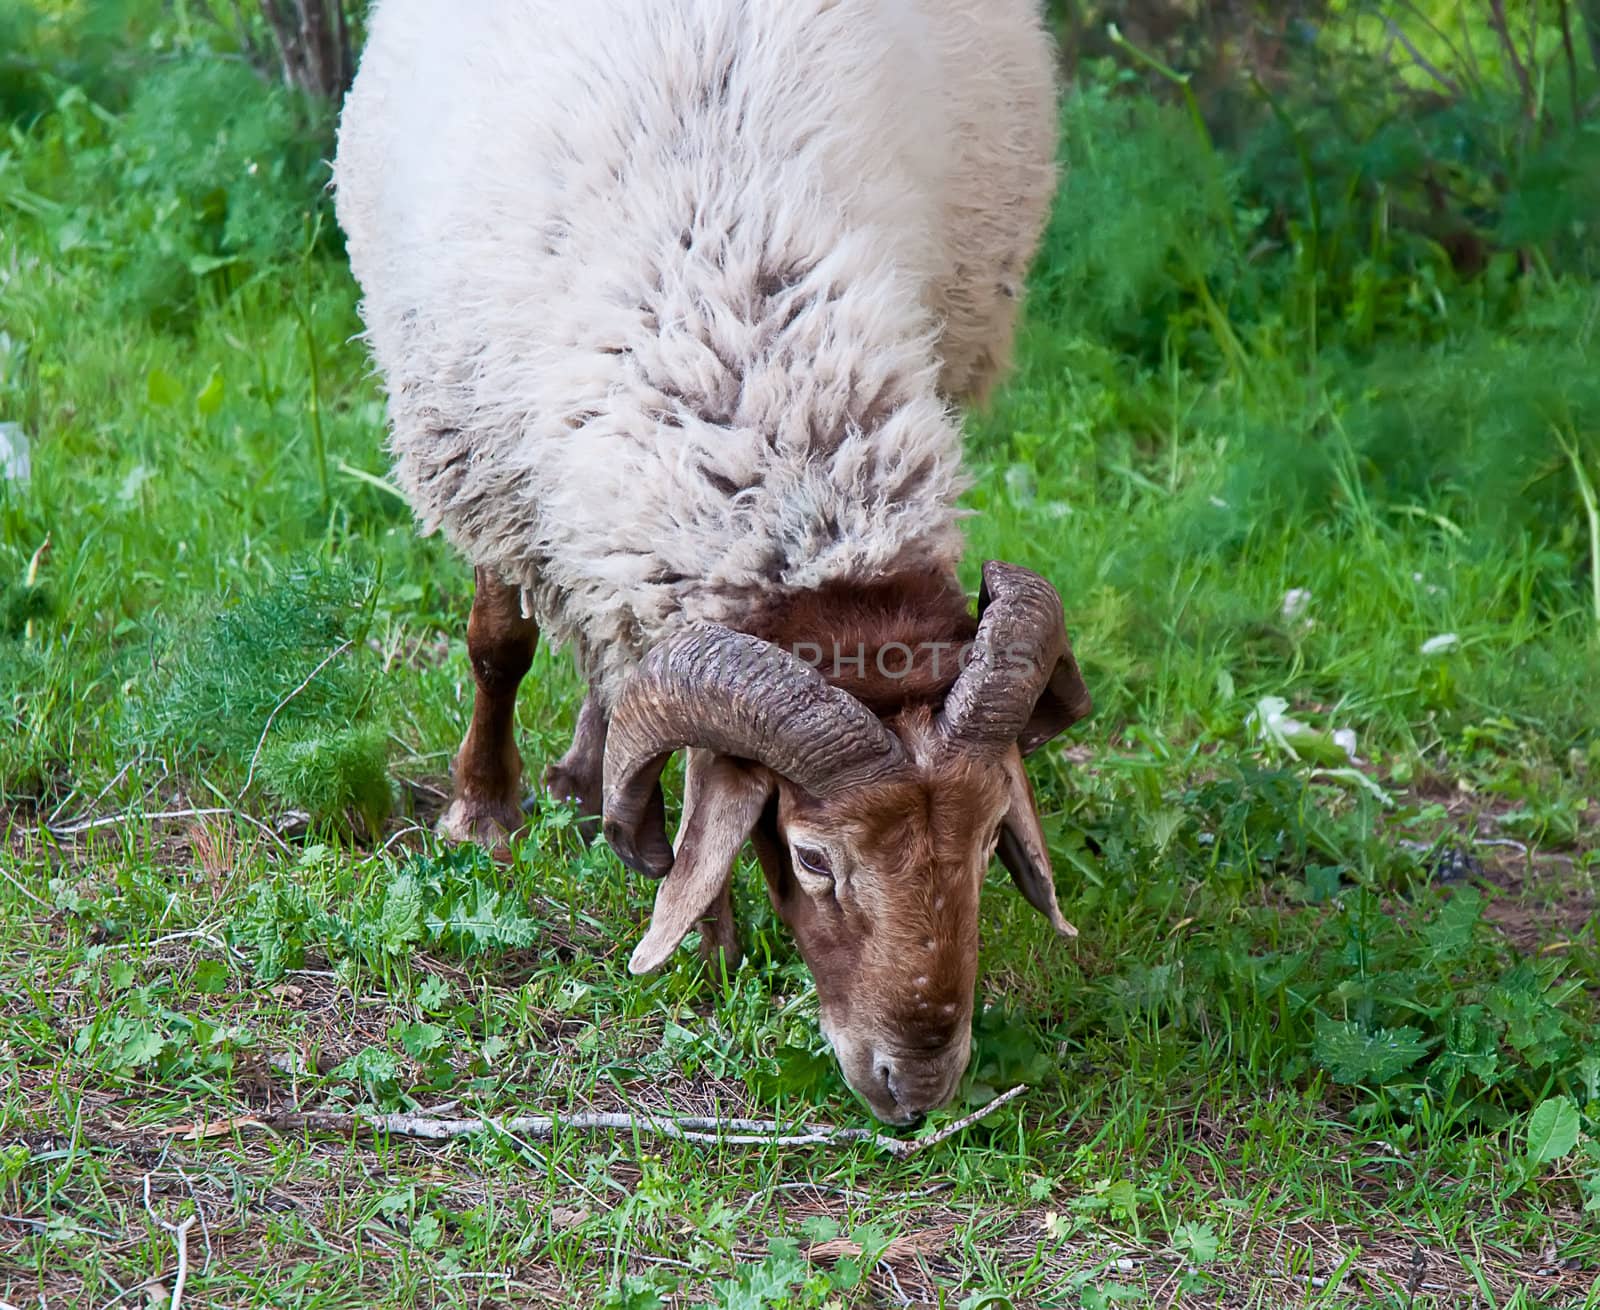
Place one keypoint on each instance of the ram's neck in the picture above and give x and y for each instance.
(893, 642)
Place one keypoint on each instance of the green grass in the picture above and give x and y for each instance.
(1326, 1038)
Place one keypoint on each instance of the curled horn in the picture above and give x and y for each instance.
(1021, 684)
(711, 687)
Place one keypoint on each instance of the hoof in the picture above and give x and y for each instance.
(487, 825)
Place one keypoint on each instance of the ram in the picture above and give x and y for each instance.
(672, 302)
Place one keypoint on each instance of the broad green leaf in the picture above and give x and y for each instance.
(209, 401)
(1352, 1054)
(1197, 1241)
(210, 977)
(200, 265)
(143, 1047)
(494, 921)
(162, 388)
(400, 922)
(425, 1232)
(433, 993)
(1553, 1129)
(1125, 1196)
(420, 1039)
(1451, 930)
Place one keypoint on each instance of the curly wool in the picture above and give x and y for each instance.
(670, 299)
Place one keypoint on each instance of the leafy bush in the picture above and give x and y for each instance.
(209, 179)
(44, 47)
(1382, 982)
(331, 773)
(232, 155)
(455, 901)
(276, 689)
(1140, 232)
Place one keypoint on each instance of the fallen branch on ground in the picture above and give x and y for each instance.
(131, 816)
(713, 1131)
(180, 1235)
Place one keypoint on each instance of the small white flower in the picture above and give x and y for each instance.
(1217, 502)
(1345, 740)
(1296, 601)
(1020, 483)
(15, 464)
(1273, 724)
(1443, 642)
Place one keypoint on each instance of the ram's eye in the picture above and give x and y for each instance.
(813, 860)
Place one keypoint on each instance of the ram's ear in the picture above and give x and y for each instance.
(722, 800)
(1022, 849)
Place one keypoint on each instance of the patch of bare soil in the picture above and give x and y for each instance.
(263, 1213)
(1540, 896)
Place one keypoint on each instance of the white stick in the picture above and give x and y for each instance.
(711, 1131)
(32, 896)
(182, 1236)
(192, 934)
(267, 726)
(130, 815)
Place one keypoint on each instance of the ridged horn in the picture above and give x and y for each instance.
(1021, 683)
(725, 691)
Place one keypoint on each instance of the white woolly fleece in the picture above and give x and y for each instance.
(669, 296)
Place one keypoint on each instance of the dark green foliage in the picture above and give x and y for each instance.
(232, 153)
(1140, 226)
(282, 670)
(1422, 1005)
(211, 177)
(330, 774)
(43, 48)
(222, 674)
(226, 184)
(20, 605)
(456, 901)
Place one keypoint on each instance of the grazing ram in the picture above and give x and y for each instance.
(670, 300)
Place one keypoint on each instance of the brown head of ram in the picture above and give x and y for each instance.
(875, 814)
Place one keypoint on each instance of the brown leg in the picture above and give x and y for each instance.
(488, 769)
(576, 776)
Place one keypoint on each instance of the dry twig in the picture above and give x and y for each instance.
(540, 1127)
(180, 1235)
(1420, 59)
(31, 895)
(192, 934)
(72, 795)
(328, 659)
(113, 820)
